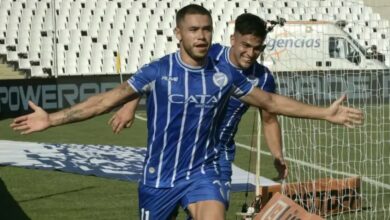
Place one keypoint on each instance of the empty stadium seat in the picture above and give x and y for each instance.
(26, 18)
(90, 32)
(24, 64)
(86, 14)
(48, 23)
(75, 39)
(70, 62)
(108, 62)
(84, 55)
(159, 49)
(13, 24)
(96, 58)
(74, 15)
(36, 71)
(59, 59)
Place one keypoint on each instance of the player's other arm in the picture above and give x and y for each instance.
(277, 104)
(273, 138)
(124, 117)
(40, 120)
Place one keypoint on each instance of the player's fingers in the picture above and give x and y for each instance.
(341, 99)
(116, 129)
(354, 111)
(128, 124)
(110, 120)
(27, 131)
(355, 114)
(114, 126)
(18, 126)
(15, 125)
(285, 173)
(33, 106)
(20, 119)
(355, 121)
(349, 125)
(21, 128)
(119, 128)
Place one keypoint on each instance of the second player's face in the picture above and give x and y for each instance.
(194, 33)
(245, 49)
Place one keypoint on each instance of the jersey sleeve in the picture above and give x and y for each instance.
(215, 51)
(141, 81)
(242, 86)
(269, 81)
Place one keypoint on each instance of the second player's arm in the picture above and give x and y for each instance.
(273, 139)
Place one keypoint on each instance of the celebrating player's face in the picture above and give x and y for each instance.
(245, 49)
(194, 33)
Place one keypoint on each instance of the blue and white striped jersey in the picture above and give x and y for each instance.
(259, 76)
(184, 105)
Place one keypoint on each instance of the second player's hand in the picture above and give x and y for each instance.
(120, 120)
(281, 167)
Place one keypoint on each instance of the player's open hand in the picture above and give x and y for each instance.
(36, 121)
(349, 117)
(121, 119)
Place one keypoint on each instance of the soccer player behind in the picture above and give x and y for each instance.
(186, 92)
(247, 42)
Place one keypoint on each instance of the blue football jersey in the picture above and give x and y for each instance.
(184, 107)
(261, 77)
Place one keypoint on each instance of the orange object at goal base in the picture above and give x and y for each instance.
(323, 197)
(282, 208)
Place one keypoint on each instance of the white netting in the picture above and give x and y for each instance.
(317, 149)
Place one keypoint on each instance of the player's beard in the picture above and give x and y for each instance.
(195, 53)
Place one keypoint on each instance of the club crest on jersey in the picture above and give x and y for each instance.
(220, 79)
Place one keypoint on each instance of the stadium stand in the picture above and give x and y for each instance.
(79, 37)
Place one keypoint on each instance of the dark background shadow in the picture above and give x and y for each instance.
(9, 207)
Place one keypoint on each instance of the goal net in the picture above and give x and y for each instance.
(329, 49)
(317, 62)
(316, 149)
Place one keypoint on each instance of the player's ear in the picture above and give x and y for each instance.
(177, 33)
(232, 40)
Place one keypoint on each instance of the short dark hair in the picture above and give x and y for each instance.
(191, 9)
(248, 23)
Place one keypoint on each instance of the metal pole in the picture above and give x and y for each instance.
(258, 155)
(55, 61)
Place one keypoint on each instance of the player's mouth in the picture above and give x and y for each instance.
(246, 60)
(202, 46)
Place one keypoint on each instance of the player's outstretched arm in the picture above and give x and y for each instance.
(273, 138)
(40, 120)
(277, 104)
(124, 117)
